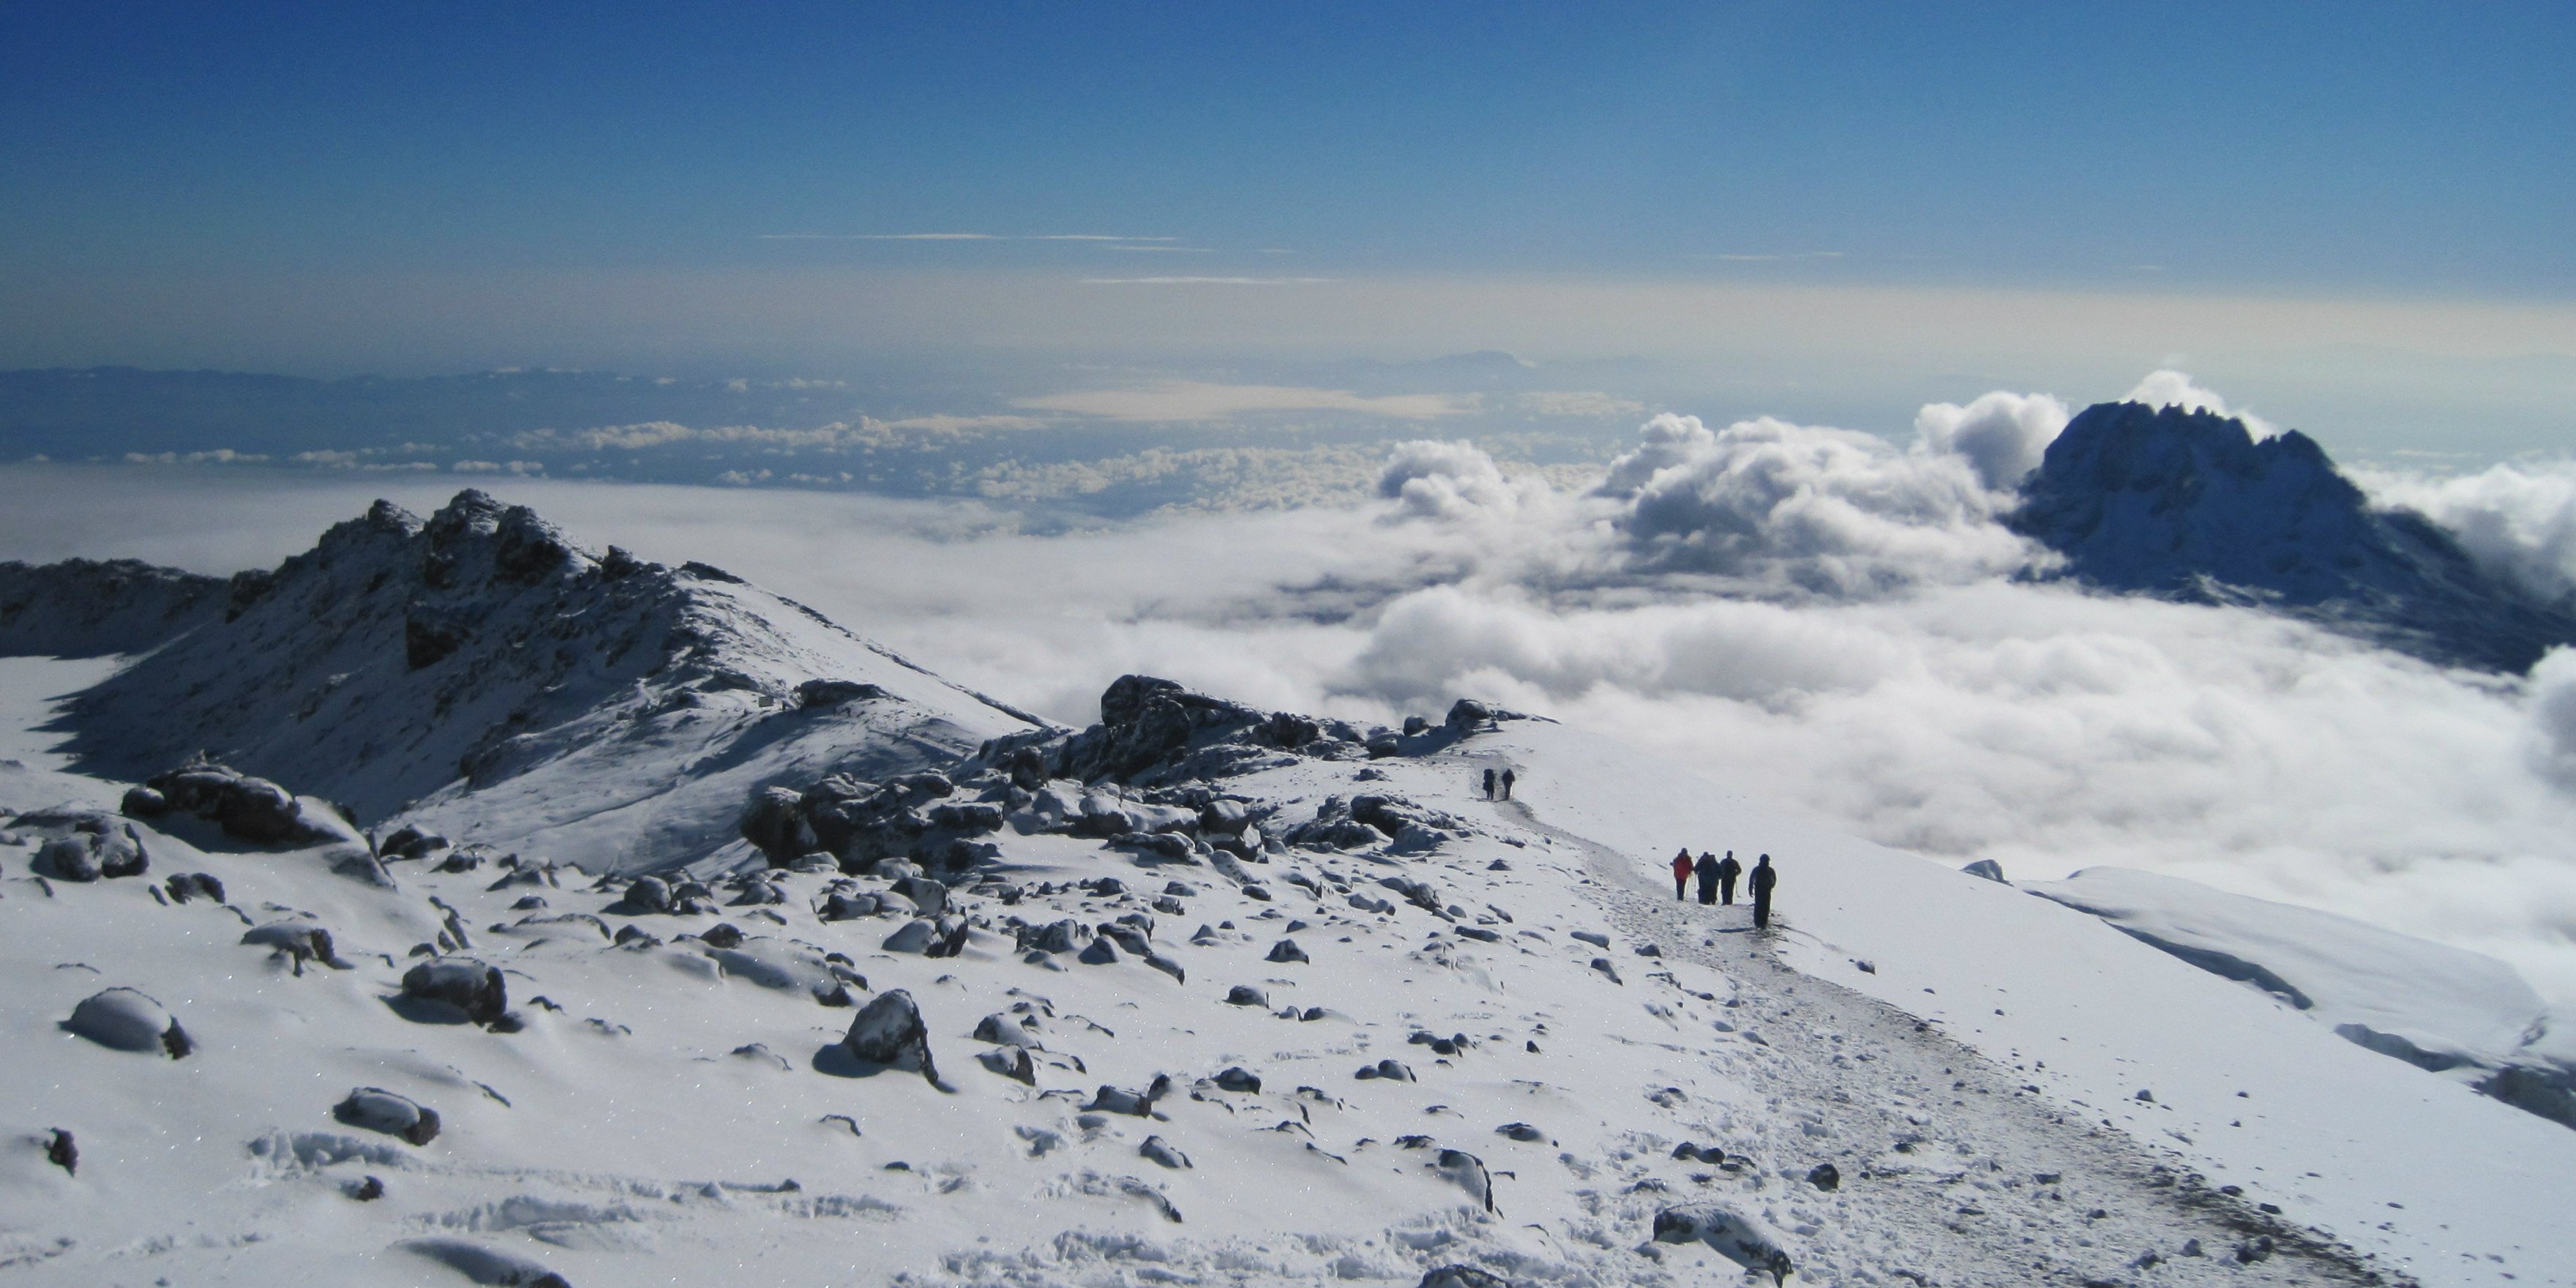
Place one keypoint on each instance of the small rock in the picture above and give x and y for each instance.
(184, 886)
(1825, 1176)
(1987, 868)
(364, 1190)
(1247, 995)
(1100, 952)
(1238, 1078)
(1286, 950)
(911, 937)
(1520, 1132)
(1594, 938)
(723, 934)
(1389, 1069)
(62, 1153)
(377, 1109)
(1161, 1151)
(1461, 1276)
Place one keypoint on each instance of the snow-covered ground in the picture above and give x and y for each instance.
(674, 1111)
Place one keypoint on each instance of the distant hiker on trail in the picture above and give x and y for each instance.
(1489, 782)
(1507, 784)
(1681, 872)
(1763, 879)
(1706, 871)
(1727, 871)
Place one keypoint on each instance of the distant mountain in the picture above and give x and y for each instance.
(2190, 505)
(92, 608)
(616, 711)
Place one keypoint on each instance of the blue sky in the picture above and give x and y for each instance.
(334, 188)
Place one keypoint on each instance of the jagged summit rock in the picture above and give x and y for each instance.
(404, 663)
(2190, 505)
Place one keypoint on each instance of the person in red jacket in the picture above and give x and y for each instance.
(1682, 873)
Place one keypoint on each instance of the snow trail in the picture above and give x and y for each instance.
(1983, 1176)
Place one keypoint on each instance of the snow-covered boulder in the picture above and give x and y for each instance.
(889, 1031)
(246, 808)
(89, 847)
(1736, 1234)
(470, 988)
(377, 1109)
(124, 1019)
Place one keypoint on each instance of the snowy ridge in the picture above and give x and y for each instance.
(2188, 504)
(2440, 1008)
(92, 608)
(477, 672)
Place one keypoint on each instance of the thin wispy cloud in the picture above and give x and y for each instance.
(1769, 258)
(1175, 250)
(974, 237)
(1202, 281)
(1186, 400)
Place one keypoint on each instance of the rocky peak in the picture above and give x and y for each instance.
(2191, 505)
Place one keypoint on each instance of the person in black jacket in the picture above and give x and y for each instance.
(1763, 879)
(1727, 871)
(1489, 783)
(1706, 871)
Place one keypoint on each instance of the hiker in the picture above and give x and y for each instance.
(1706, 871)
(1507, 784)
(1681, 872)
(1727, 871)
(1763, 879)
(1489, 782)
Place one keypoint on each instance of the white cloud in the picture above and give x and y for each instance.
(2170, 388)
(1591, 404)
(1182, 400)
(2001, 435)
(2518, 520)
(1204, 281)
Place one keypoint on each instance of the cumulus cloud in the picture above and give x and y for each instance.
(2001, 435)
(2518, 520)
(1829, 511)
(2169, 388)
(1452, 480)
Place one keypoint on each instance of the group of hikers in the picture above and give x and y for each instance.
(1504, 780)
(1717, 881)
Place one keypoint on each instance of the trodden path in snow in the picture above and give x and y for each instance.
(1954, 1171)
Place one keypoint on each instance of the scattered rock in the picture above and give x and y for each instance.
(1388, 1068)
(913, 936)
(1468, 1172)
(1987, 868)
(62, 1153)
(488, 1266)
(1161, 1151)
(463, 984)
(1825, 1176)
(409, 842)
(1286, 950)
(723, 934)
(123, 1019)
(1238, 1078)
(300, 941)
(1247, 995)
(1710, 1154)
(1520, 1132)
(377, 1109)
(95, 846)
(1461, 1276)
(184, 886)
(889, 1031)
(1740, 1237)
(1011, 1062)
(365, 1189)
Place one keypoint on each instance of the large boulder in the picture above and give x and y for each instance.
(92, 846)
(888, 1031)
(123, 1019)
(246, 808)
(469, 987)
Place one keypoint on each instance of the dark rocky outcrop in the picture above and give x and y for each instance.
(2189, 505)
(471, 989)
(888, 1031)
(246, 808)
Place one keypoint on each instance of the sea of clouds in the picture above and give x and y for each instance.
(1822, 617)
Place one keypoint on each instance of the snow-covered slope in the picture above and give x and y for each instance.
(1267, 1000)
(2184, 503)
(2444, 1009)
(479, 674)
